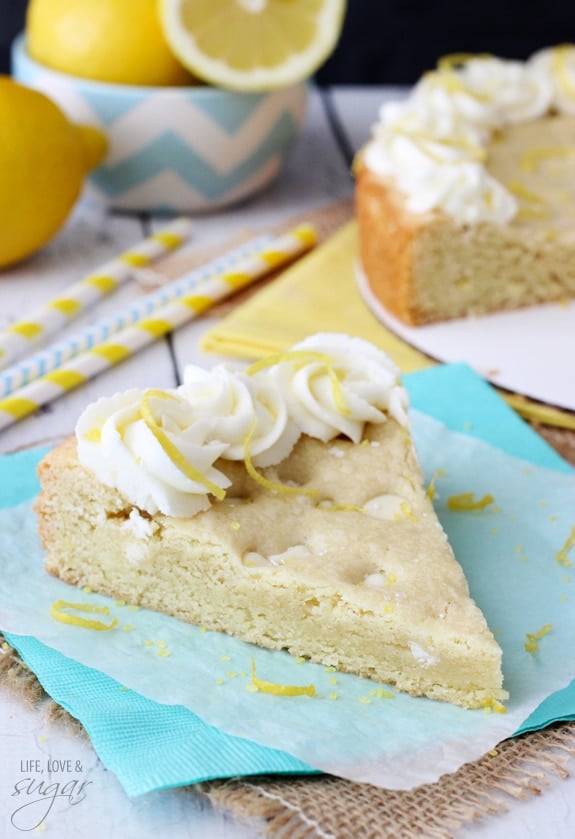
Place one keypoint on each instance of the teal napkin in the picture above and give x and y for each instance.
(151, 745)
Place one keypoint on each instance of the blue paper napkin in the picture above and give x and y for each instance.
(149, 745)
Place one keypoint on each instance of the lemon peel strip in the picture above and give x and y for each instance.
(277, 689)
(265, 482)
(532, 643)
(59, 613)
(561, 555)
(305, 356)
(170, 449)
(561, 70)
(466, 501)
(494, 705)
(531, 159)
(343, 508)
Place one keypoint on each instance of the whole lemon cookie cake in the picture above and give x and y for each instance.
(465, 194)
(283, 504)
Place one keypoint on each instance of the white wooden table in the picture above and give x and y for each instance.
(317, 173)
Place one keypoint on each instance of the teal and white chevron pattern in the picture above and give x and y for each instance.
(188, 149)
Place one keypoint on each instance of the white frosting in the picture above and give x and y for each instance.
(158, 448)
(557, 64)
(367, 388)
(434, 143)
(115, 442)
(487, 92)
(232, 407)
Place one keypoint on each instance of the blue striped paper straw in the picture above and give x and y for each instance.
(53, 315)
(56, 355)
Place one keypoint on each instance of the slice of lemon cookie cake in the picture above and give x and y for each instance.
(283, 505)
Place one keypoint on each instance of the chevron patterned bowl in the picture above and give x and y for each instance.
(188, 149)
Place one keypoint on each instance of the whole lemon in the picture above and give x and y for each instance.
(43, 160)
(107, 40)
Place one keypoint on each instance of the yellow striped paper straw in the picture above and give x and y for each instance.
(55, 355)
(149, 329)
(17, 339)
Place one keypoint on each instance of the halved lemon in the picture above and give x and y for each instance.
(252, 45)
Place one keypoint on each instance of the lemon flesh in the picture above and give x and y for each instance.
(117, 41)
(252, 44)
(43, 160)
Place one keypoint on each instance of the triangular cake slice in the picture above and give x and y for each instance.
(333, 553)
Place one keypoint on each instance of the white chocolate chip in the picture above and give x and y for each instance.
(386, 507)
(254, 559)
(374, 580)
(336, 452)
(422, 656)
(138, 526)
(295, 552)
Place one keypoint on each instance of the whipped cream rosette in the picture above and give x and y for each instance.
(437, 160)
(148, 445)
(557, 64)
(234, 408)
(159, 447)
(334, 384)
(434, 144)
(485, 91)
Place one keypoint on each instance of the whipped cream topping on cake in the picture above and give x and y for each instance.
(558, 64)
(358, 384)
(148, 446)
(159, 447)
(434, 144)
(232, 406)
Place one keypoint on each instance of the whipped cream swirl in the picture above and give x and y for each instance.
(159, 447)
(334, 384)
(487, 92)
(434, 144)
(557, 64)
(148, 445)
(437, 161)
(233, 408)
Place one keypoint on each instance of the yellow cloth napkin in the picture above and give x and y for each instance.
(319, 294)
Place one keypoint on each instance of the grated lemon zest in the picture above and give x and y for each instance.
(59, 613)
(521, 191)
(406, 511)
(561, 555)
(466, 501)
(265, 482)
(280, 690)
(305, 357)
(560, 67)
(337, 508)
(532, 643)
(494, 705)
(533, 157)
(170, 449)
(454, 59)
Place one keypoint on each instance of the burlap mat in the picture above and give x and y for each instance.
(324, 807)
